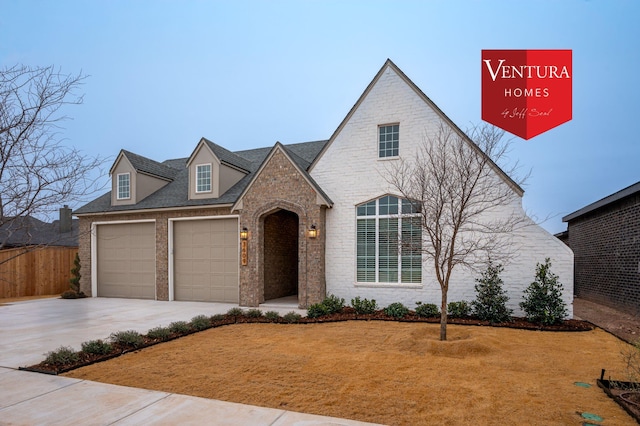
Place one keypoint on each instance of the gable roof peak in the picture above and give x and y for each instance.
(297, 162)
(145, 165)
(390, 64)
(224, 155)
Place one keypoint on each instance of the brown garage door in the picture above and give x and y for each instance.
(206, 260)
(126, 260)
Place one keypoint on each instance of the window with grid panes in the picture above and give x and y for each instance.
(389, 242)
(124, 186)
(388, 140)
(203, 178)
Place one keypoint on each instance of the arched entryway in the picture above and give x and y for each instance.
(281, 239)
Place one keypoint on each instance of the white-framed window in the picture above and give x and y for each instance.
(388, 140)
(203, 178)
(389, 241)
(124, 186)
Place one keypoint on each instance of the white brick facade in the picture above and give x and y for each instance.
(351, 173)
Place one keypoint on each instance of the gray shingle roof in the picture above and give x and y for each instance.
(229, 157)
(146, 165)
(176, 192)
(28, 231)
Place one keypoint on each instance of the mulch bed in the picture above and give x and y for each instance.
(347, 314)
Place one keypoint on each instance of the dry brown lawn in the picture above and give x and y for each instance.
(386, 372)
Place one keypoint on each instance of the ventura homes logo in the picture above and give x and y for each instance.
(526, 92)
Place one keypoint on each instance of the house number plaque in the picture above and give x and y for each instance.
(243, 253)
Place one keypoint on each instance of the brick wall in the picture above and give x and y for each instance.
(280, 186)
(351, 173)
(606, 244)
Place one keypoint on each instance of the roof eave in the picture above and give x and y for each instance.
(152, 210)
(603, 202)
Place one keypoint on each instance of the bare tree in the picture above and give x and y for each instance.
(38, 174)
(464, 199)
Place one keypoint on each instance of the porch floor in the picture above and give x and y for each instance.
(289, 302)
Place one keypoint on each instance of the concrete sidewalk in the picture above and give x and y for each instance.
(30, 329)
(38, 399)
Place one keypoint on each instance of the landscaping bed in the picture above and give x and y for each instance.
(252, 316)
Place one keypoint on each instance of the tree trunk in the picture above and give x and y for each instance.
(443, 316)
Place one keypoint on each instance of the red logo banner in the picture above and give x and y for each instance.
(526, 92)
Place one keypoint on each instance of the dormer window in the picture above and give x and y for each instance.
(124, 186)
(203, 178)
(388, 140)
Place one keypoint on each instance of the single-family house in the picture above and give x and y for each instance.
(605, 238)
(29, 231)
(300, 219)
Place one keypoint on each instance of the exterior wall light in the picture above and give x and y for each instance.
(313, 231)
(244, 233)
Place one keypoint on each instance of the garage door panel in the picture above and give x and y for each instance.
(206, 260)
(126, 260)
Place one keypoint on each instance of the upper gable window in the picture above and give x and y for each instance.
(388, 140)
(203, 178)
(124, 186)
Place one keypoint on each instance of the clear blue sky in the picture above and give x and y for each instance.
(246, 74)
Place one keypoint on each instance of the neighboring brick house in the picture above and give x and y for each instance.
(301, 220)
(605, 238)
(36, 257)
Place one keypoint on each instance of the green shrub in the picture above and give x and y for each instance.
(96, 347)
(74, 281)
(64, 355)
(292, 317)
(217, 317)
(179, 327)
(159, 333)
(459, 309)
(316, 310)
(491, 299)
(364, 306)
(200, 322)
(333, 304)
(272, 315)
(543, 302)
(427, 310)
(396, 310)
(129, 338)
(69, 294)
(330, 305)
(235, 312)
(254, 313)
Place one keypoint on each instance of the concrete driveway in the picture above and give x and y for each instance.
(30, 329)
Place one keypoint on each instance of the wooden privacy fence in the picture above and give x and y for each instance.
(35, 271)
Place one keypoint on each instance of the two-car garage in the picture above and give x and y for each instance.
(203, 254)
